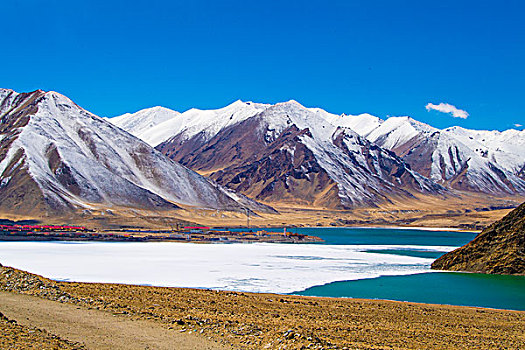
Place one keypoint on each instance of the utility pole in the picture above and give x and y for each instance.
(247, 217)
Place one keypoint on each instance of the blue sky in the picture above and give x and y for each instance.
(381, 57)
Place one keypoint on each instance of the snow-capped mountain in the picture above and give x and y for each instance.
(56, 157)
(506, 148)
(471, 160)
(205, 122)
(226, 142)
(287, 153)
(145, 119)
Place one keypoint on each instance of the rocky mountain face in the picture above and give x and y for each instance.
(286, 152)
(56, 157)
(498, 249)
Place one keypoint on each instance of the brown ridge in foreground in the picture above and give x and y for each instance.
(270, 321)
(499, 249)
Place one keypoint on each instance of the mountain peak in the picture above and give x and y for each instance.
(161, 108)
(290, 103)
(235, 105)
(6, 91)
(145, 119)
(238, 102)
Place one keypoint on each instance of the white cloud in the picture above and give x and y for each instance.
(518, 125)
(448, 108)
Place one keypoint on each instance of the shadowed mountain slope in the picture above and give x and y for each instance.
(499, 249)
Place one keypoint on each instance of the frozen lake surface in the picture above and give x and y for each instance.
(258, 267)
(384, 263)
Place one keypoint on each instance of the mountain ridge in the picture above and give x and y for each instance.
(257, 156)
(459, 159)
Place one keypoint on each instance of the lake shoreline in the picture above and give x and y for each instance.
(118, 236)
(248, 236)
(392, 227)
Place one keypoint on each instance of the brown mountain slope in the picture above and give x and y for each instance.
(244, 161)
(499, 249)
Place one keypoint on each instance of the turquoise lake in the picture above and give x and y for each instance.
(469, 289)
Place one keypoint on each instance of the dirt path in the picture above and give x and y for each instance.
(96, 329)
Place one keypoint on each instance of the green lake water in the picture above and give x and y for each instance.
(452, 288)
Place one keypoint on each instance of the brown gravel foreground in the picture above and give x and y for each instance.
(15, 336)
(269, 321)
(95, 329)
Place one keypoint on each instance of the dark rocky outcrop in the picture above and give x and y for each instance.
(499, 249)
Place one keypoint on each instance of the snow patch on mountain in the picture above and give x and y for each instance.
(396, 131)
(363, 124)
